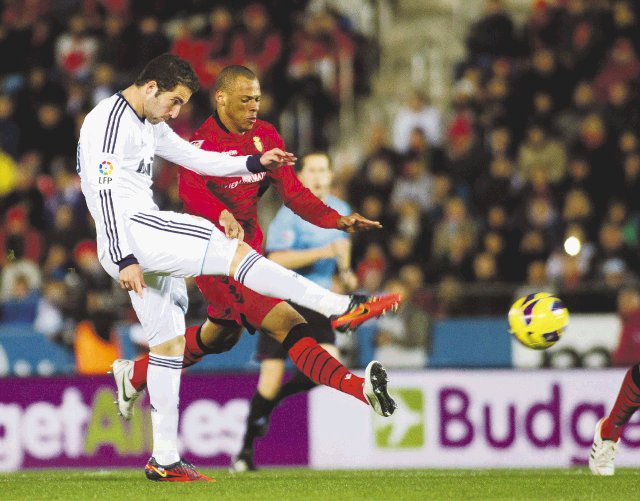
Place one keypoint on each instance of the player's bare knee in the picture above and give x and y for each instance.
(280, 320)
(221, 338)
(174, 347)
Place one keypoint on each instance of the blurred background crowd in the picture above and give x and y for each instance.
(526, 179)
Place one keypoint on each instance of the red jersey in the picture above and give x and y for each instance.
(208, 196)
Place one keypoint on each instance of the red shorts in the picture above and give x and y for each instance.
(230, 300)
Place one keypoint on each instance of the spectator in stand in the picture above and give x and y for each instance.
(611, 246)
(493, 35)
(631, 181)
(500, 142)
(377, 178)
(50, 317)
(625, 22)
(150, 41)
(414, 185)
(568, 121)
(52, 134)
(548, 75)
(402, 339)
(17, 239)
(621, 112)
(577, 208)
(497, 186)
(583, 38)
(465, 156)
(536, 281)
(567, 270)
(541, 28)
(455, 221)
(418, 113)
(75, 50)
(9, 128)
(26, 192)
(533, 246)
(104, 84)
(541, 151)
(41, 46)
(257, 45)
(618, 214)
(218, 34)
(117, 38)
(595, 144)
(621, 66)
(21, 302)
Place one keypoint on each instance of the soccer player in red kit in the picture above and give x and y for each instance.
(232, 203)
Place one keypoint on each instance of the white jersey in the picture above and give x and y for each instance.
(114, 159)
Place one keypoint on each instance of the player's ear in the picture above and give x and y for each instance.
(219, 97)
(151, 87)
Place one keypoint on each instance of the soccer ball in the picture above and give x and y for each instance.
(538, 320)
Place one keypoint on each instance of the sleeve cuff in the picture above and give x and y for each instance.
(254, 165)
(127, 261)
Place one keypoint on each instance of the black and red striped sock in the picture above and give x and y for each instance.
(318, 365)
(194, 350)
(626, 404)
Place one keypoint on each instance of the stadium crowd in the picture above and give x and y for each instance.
(541, 143)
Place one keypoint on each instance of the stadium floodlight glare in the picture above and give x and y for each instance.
(572, 246)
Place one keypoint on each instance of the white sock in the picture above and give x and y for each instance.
(163, 385)
(271, 279)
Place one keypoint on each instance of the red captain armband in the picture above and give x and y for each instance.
(127, 261)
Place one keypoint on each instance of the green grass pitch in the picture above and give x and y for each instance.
(306, 485)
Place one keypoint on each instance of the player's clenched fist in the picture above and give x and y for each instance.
(275, 158)
(232, 228)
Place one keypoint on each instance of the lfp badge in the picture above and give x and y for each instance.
(105, 168)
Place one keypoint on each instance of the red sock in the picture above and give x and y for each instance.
(139, 378)
(193, 349)
(626, 404)
(318, 365)
(193, 353)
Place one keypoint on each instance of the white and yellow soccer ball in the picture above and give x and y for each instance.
(538, 320)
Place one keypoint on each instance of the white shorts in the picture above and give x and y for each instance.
(175, 244)
(161, 308)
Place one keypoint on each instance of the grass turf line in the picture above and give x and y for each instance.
(308, 485)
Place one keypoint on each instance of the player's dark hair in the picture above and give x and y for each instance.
(168, 71)
(230, 74)
(299, 166)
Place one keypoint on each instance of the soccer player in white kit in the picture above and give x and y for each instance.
(149, 251)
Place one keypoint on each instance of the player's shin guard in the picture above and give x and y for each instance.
(626, 404)
(163, 386)
(318, 365)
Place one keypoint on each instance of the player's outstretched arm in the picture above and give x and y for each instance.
(355, 222)
(276, 158)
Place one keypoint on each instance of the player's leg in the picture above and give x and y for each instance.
(262, 404)
(161, 312)
(270, 279)
(609, 428)
(212, 337)
(284, 324)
